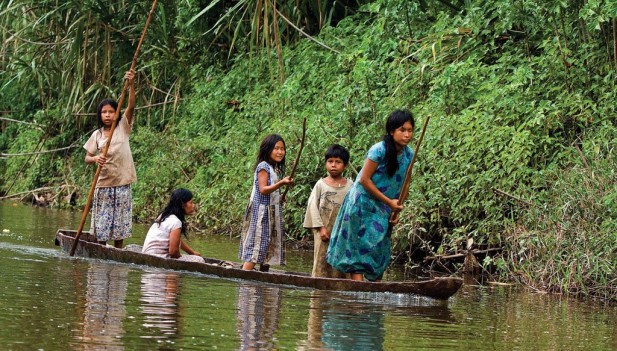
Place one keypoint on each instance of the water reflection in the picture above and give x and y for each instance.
(49, 301)
(339, 322)
(361, 330)
(159, 294)
(104, 312)
(315, 322)
(258, 315)
(356, 321)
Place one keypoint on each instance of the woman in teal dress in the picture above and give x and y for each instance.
(360, 239)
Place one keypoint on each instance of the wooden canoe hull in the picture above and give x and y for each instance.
(438, 288)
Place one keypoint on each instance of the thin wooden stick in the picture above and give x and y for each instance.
(31, 191)
(293, 169)
(304, 33)
(405, 189)
(39, 146)
(136, 108)
(18, 121)
(111, 132)
(461, 255)
(39, 152)
(501, 192)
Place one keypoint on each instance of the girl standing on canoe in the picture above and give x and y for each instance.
(112, 208)
(165, 236)
(360, 240)
(262, 232)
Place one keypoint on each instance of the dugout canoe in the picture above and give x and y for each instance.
(437, 288)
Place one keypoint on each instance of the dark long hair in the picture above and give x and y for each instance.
(395, 120)
(265, 149)
(99, 108)
(174, 207)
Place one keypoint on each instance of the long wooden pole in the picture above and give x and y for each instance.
(293, 169)
(111, 132)
(407, 181)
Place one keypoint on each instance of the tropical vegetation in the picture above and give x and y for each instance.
(519, 152)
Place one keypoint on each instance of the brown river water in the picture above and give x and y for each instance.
(50, 301)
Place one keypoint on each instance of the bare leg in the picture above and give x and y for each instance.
(248, 266)
(118, 243)
(357, 276)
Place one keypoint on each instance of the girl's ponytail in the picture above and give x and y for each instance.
(175, 207)
(391, 155)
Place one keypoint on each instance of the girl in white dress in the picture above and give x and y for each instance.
(164, 237)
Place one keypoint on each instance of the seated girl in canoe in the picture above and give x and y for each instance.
(164, 237)
(360, 239)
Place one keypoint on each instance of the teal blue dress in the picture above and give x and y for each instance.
(360, 239)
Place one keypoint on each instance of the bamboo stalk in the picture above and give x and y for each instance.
(561, 51)
(405, 189)
(111, 132)
(277, 42)
(615, 42)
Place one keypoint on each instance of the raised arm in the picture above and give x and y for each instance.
(130, 108)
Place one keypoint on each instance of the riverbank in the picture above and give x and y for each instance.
(519, 153)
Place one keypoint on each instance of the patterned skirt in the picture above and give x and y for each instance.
(112, 213)
(262, 235)
(360, 240)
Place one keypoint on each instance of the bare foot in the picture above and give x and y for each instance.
(248, 266)
(357, 276)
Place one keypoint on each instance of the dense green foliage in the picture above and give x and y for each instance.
(519, 152)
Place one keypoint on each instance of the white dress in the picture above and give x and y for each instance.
(157, 240)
